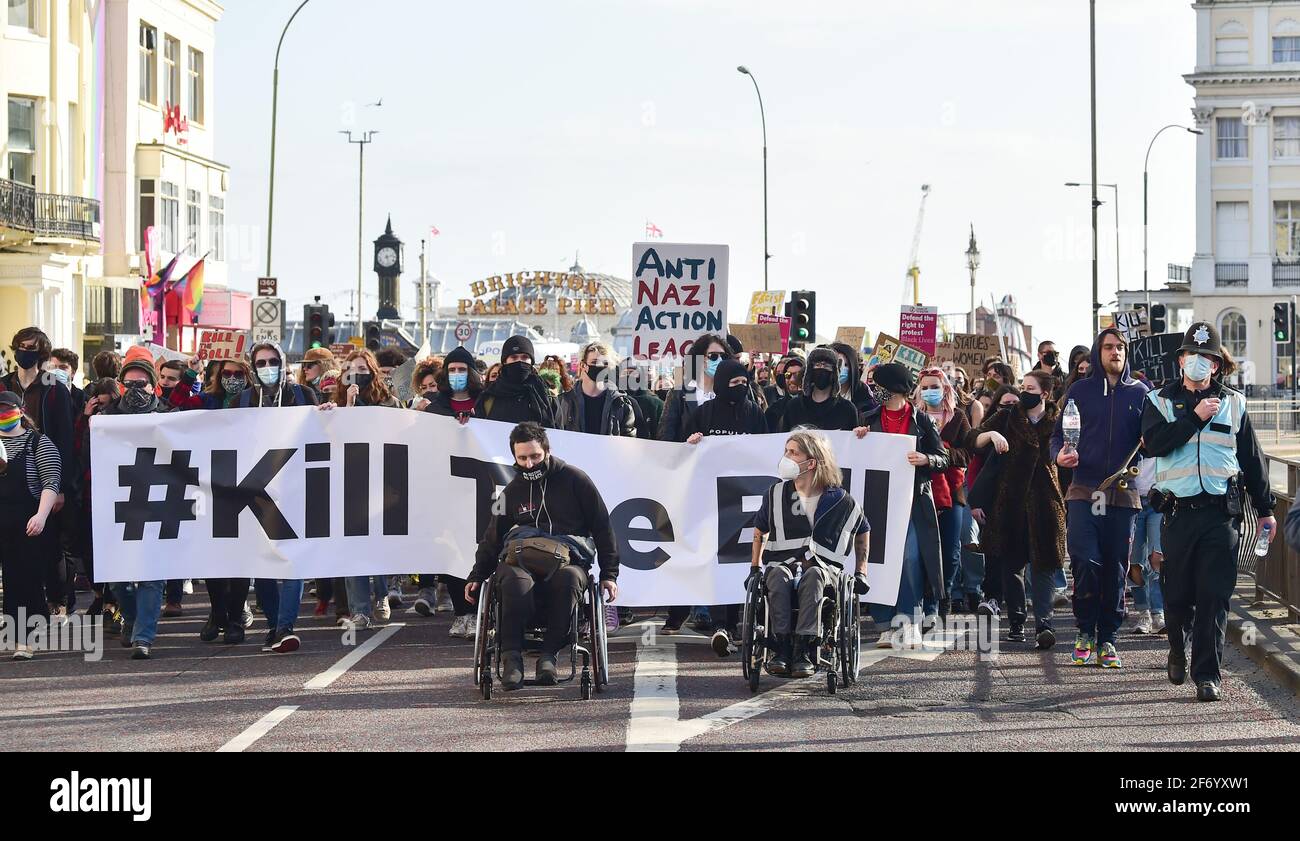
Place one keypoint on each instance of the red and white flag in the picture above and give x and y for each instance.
(652, 230)
(433, 229)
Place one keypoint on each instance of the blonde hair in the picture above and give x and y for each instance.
(817, 447)
(602, 348)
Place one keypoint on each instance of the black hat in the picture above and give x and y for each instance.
(735, 345)
(894, 378)
(820, 354)
(728, 370)
(517, 344)
(459, 354)
(8, 398)
(1202, 338)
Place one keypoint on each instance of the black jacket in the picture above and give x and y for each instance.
(833, 413)
(618, 414)
(573, 506)
(440, 404)
(678, 409)
(717, 418)
(530, 401)
(651, 410)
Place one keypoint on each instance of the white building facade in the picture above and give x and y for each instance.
(1247, 84)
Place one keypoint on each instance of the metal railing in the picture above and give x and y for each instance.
(47, 214)
(1286, 274)
(1231, 274)
(1277, 574)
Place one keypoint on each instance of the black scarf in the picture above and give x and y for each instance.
(533, 389)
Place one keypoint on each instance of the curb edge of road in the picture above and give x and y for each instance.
(1274, 661)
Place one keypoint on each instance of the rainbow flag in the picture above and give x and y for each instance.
(190, 287)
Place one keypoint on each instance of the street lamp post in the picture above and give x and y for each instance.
(766, 256)
(1092, 82)
(1096, 204)
(366, 137)
(275, 102)
(1146, 288)
(972, 263)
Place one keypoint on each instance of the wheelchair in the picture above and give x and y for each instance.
(595, 658)
(841, 615)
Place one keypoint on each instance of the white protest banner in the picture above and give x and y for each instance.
(678, 292)
(918, 326)
(303, 493)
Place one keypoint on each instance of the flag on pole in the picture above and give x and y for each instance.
(433, 229)
(652, 230)
(190, 287)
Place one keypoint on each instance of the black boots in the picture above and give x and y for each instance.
(1176, 668)
(512, 670)
(805, 662)
(1209, 691)
(779, 663)
(546, 670)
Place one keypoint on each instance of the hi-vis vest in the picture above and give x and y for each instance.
(791, 538)
(1206, 462)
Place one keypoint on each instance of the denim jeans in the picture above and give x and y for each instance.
(950, 548)
(911, 587)
(1099, 550)
(141, 603)
(1146, 539)
(364, 591)
(971, 579)
(281, 600)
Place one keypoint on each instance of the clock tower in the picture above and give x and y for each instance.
(388, 265)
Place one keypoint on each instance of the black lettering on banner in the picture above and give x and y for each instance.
(356, 490)
(487, 475)
(660, 531)
(142, 477)
(396, 488)
(231, 496)
(317, 498)
(875, 505)
(732, 519)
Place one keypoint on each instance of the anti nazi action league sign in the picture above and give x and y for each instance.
(299, 493)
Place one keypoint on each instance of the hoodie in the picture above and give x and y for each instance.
(290, 393)
(1110, 426)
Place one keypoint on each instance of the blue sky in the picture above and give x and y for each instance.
(527, 131)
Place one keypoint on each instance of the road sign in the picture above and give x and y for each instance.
(268, 320)
(463, 332)
(267, 287)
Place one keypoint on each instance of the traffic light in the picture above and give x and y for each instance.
(1158, 322)
(1282, 322)
(802, 311)
(315, 320)
(372, 336)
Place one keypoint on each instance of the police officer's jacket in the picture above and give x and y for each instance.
(1196, 458)
(837, 521)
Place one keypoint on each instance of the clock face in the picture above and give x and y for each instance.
(387, 257)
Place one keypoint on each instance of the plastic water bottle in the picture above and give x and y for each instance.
(1261, 545)
(1071, 425)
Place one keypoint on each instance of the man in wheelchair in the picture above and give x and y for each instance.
(537, 545)
(807, 519)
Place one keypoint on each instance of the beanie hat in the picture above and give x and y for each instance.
(459, 354)
(517, 344)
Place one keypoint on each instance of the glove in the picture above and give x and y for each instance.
(860, 583)
(753, 573)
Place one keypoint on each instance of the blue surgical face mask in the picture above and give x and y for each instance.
(844, 375)
(712, 367)
(458, 382)
(932, 396)
(1197, 367)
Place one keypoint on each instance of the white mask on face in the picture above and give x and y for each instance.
(788, 469)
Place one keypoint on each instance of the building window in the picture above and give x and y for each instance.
(193, 220)
(1231, 132)
(148, 64)
(1286, 137)
(22, 14)
(171, 72)
(147, 206)
(196, 85)
(22, 140)
(1232, 332)
(1231, 50)
(1286, 49)
(217, 227)
(1286, 230)
(169, 218)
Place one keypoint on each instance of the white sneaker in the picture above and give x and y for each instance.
(1158, 622)
(459, 627)
(444, 600)
(22, 652)
(1143, 623)
(911, 636)
(382, 610)
(188, 587)
(886, 639)
(358, 622)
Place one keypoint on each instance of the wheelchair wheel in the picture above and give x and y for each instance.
(584, 687)
(830, 681)
(599, 639)
(751, 644)
(485, 685)
(850, 635)
(483, 636)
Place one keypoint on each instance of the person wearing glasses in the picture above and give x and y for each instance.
(698, 368)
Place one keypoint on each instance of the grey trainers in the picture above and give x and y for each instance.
(512, 670)
(546, 671)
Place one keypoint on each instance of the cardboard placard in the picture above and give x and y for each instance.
(222, 345)
(918, 327)
(914, 358)
(770, 302)
(781, 321)
(852, 336)
(758, 338)
(679, 291)
(968, 351)
(1156, 357)
(1132, 325)
(883, 351)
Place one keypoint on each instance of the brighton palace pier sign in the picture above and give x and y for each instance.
(581, 297)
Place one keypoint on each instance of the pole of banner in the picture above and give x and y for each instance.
(997, 328)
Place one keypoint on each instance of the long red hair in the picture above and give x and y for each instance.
(375, 393)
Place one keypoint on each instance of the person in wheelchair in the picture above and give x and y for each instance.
(808, 520)
(547, 500)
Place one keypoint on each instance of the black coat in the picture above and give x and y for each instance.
(618, 414)
(713, 419)
(677, 412)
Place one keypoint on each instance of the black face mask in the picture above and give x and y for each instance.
(822, 379)
(1030, 401)
(137, 398)
(363, 381)
(1050, 359)
(595, 372)
(167, 391)
(735, 394)
(516, 372)
(27, 358)
(535, 474)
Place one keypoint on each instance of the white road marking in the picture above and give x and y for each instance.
(259, 729)
(333, 673)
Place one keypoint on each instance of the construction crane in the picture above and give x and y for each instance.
(914, 270)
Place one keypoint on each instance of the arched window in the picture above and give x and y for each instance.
(1232, 332)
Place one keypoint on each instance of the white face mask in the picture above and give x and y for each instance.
(788, 469)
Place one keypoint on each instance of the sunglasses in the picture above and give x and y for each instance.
(267, 363)
(714, 357)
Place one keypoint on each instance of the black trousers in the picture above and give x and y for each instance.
(58, 568)
(227, 596)
(1198, 576)
(24, 560)
(455, 591)
(523, 596)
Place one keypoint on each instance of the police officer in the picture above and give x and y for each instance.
(1203, 442)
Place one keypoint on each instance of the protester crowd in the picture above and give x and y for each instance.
(1005, 496)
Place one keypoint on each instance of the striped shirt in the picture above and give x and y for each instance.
(45, 470)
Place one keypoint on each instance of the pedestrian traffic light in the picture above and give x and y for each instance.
(316, 320)
(1282, 322)
(372, 336)
(802, 312)
(1158, 322)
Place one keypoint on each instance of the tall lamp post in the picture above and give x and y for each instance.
(366, 137)
(766, 256)
(1146, 288)
(972, 263)
(1096, 204)
(1092, 102)
(275, 102)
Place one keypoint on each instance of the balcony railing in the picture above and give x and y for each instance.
(47, 215)
(1286, 274)
(1231, 274)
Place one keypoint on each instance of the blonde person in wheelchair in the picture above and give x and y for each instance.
(811, 525)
